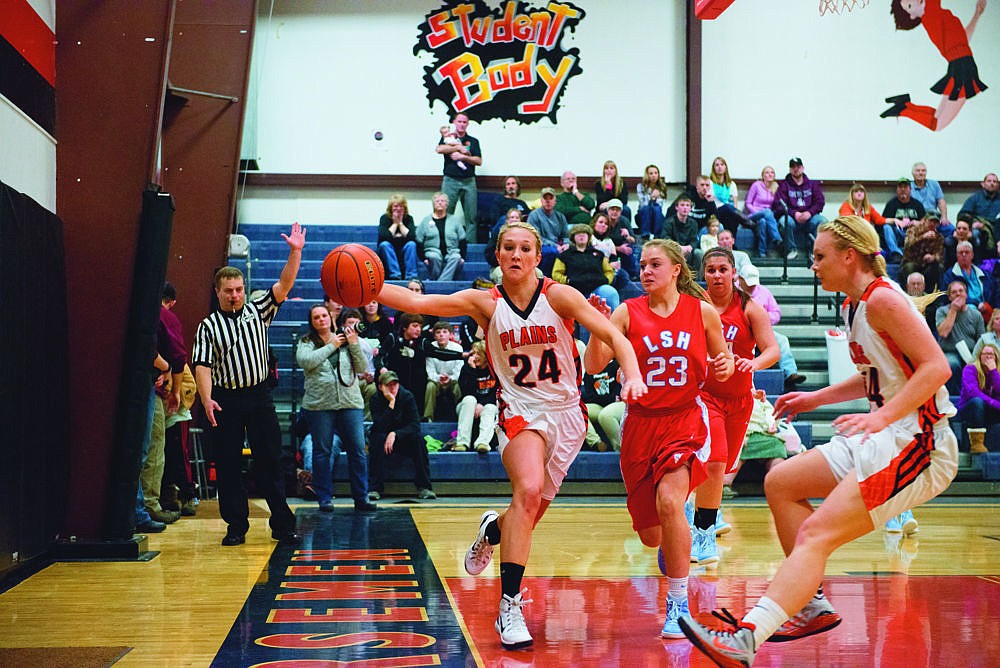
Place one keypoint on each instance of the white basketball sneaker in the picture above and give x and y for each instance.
(480, 553)
(510, 624)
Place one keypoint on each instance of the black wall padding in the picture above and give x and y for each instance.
(152, 253)
(34, 378)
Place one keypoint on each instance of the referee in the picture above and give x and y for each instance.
(230, 361)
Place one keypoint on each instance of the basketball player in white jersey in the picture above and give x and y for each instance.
(879, 464)
(529, 341)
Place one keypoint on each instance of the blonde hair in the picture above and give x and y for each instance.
(479, 348)
(619, 185)
(723, 180)
(866, 206)
(774, 182)
(685, 279)
(398, 198)
(857, 233)
(977, 362)
(520, 225)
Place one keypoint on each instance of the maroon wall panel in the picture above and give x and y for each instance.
(109, 87)
(210, 52)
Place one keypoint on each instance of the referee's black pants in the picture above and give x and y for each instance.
(249, 411)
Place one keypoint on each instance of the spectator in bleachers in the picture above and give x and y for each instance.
(958, 328)
(726, 197)
(406, 351)
(928, 192)
(900, 213)
(396, 431)
(416, 285)
(552, 227)
(604, 409)
(442, 375)
(457, 182)
(992, 334)
(622, 234)
(441, 241)
(710, 239)
(757, 205)
(749, 279)
(601, 240)
(977, 284)
(916, 288)
(767, 438)
(397, 245)
(479, 400)
(963, 232)
(331, 359)
(682, 226)
(511, 200)
(512, 215)
(585, 268)
(742, 259)
(609, 187)
(857, 204)
(798, 206)
(576, 206)
(979, 401)
(333, 307)
(375, 324)
(923, 250)
(652, 193)
(983, 209)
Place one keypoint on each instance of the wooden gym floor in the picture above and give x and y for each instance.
(389, 589)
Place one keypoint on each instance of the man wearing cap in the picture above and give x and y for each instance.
(798, 206)
(750, 281)
(928, 192)
(900, 212)
(552, 227)
(458, 182)
(620, 230)
(572, 203)
(396, 430)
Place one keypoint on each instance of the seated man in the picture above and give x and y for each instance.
(552, 227)
(798, 206)
(900, 213)
(958, 328)
(915, 287)
(396, 431)
(983, 209)
(977, 284)
(510, 200)
(441, 241)
(742, 259)
(682, 227)
(928, 192)
(442, 375)
(572, 203)
(923, 250)
(750, 282)
(620, 230)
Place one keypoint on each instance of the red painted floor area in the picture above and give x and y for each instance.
(889, 620)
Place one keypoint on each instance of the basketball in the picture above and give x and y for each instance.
(352, 275)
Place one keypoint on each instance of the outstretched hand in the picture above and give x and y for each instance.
(633, 389)
(794, 403)
(297, 239)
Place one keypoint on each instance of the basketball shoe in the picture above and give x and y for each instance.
(894, 525)
(479, 554)
(510, 624)
(907, 524)
(675, 610)
(818, 616)
(729, 649)
(703, 548)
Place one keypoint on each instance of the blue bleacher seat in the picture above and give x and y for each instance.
(772, 381)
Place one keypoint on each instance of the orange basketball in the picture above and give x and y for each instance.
(352, 275)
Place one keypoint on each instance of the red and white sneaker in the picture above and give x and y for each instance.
(818, 616)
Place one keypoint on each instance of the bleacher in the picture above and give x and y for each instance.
(804, 321)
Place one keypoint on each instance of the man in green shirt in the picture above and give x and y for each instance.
(572, 203)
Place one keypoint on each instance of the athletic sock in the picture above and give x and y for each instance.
(510, 578)
(492, 533)
(677, 588)
(705, 517)
(920, 114)
(766, 617)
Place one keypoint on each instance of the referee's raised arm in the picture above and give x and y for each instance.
(296, 240)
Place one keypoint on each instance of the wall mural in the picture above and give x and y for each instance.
(506, 63)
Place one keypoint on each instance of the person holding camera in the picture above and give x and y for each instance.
(332, 402)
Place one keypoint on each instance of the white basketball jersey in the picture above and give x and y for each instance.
(884, 366)
(533, 354)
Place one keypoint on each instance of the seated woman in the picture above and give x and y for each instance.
(479, 400)
(757, 205)
(727, 197)
(652, 192)
(889, 235)
(923, 250)
(611, 186)
(604, 409)
(979, 403)
(397, 245)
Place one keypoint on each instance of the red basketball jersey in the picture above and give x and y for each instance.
(672, 353)
(740, 339)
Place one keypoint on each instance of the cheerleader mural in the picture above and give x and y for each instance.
(946, 32)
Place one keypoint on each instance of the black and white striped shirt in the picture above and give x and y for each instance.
(234, 345)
